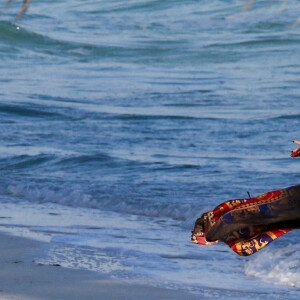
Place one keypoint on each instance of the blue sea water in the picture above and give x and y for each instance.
(122, 121)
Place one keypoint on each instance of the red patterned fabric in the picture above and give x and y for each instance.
(249, 246)
(248, 225)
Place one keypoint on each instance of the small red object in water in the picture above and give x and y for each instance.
(296, 152)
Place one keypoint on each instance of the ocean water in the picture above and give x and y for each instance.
(122, 121)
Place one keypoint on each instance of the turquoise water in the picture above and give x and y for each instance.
(125, 120)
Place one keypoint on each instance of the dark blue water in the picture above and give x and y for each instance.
(152, 112)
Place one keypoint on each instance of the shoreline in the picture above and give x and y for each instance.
(34, 240)
(22, 278)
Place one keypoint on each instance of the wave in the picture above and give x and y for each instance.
(54, 108)
(76, 110)
(27, 111)
(277, 266)
(286, 117)
(140, 117)
(75, 196)
(24, 162)
(21, 38)
(270, 42)
(26, 157)
(72, 109)
(82, 161)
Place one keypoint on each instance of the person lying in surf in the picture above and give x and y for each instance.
(248, 225)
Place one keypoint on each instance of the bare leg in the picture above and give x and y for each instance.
(25, 6)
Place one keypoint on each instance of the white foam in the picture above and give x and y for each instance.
(280, 267)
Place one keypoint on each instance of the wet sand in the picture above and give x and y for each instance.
(22, 278)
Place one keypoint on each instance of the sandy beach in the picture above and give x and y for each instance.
(22, 278)
(121, 123)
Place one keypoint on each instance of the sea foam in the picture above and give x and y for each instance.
(281, 267)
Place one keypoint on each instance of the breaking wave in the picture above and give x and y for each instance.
(277, 266)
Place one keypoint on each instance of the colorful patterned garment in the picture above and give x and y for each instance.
(248, 225)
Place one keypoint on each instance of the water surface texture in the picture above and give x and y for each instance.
(122, 121)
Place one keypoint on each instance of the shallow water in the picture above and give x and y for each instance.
(140, 115)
